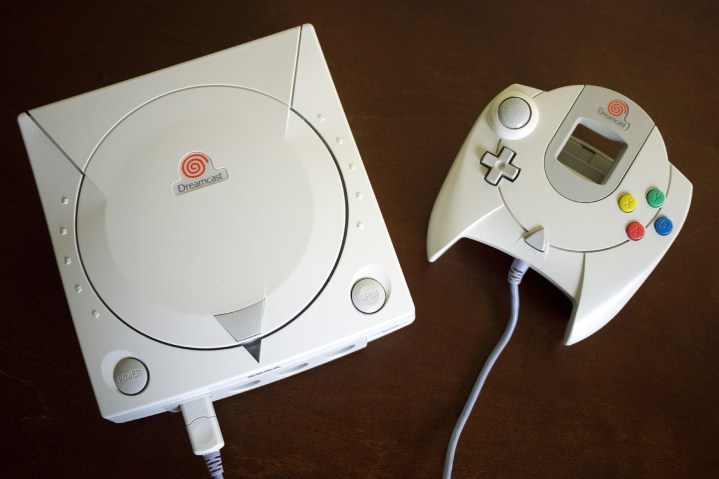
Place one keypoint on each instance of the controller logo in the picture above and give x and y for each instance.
(197, 171)
(616, 111)
(617, 108)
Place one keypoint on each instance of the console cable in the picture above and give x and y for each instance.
(204, 431)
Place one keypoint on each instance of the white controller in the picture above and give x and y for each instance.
(575, 181)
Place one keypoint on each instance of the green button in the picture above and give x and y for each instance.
(655, 198)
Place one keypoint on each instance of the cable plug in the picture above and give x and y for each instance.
(517, 270)
(204, 431)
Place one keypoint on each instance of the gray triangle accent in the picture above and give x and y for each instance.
(254, 349)
(537, 240)
(243, 323)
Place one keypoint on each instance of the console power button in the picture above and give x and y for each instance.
(130, 376)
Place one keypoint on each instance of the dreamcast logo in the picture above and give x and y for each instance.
(616, 112)
(617, 108)
(197, 171)
(194, 165)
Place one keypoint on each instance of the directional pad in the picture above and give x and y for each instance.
(499, 166)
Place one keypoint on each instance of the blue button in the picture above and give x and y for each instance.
(663, 225)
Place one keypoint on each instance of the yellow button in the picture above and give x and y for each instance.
(627, 203)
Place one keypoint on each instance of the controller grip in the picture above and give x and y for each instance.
(611, 277)
(463, 200)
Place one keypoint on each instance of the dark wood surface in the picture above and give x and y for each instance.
(637, 399)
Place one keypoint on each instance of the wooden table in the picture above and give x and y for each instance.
(637, 399)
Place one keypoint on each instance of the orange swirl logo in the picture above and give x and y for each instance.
(197, 171)
(617, 108)
(616, 112)
(194, 165)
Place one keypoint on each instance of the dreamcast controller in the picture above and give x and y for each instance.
(575, 181)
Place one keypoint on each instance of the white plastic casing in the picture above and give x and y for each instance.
(568, 228)
(226, 276)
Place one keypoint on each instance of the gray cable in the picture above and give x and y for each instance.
(516, 272)
(213, 461)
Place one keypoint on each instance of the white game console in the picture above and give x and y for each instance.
(214, 226)
(574, 181)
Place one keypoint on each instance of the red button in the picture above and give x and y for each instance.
(635, 231)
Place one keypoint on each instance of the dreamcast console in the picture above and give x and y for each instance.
(214, 226)
(574, 181)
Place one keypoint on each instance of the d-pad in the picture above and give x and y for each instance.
(499, 166)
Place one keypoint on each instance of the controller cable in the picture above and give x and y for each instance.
(516, 272)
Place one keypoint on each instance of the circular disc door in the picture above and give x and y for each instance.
(210, 216)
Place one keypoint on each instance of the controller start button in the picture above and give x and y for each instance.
(130, 376)
(368, 295)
